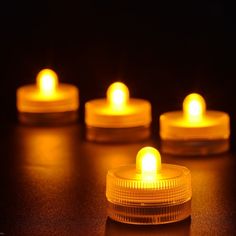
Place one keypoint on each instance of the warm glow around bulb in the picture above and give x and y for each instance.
(194, 107)
(47, 82)
(117, 95)
(148, 162)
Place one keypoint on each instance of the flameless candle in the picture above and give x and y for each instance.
(117, 113)
(195, 130)
(150, 192)
(47, 100)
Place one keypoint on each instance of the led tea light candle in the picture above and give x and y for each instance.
(149, 192)
(117, 114)
(195, 130)
(48, 101)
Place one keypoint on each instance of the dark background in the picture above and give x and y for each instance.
(161, 50)
(52, 180)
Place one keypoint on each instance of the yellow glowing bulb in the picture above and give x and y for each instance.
(47, 82)
(148, 161)
(194, 107)
(117, 95)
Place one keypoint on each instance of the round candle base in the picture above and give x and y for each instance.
(194, 147)
(36, 109)
(136, 198)
(114, 135)
(149, 215)
(57, 118)
(136, 113)
(65, 98)
(207, 136)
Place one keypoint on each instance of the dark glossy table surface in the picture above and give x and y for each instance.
(53, 183)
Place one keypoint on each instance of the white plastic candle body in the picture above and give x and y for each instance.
(195, 130)
(47, 96)
(117, 110)
(150, 192)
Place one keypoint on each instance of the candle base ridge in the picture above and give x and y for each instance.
(51, 119)
(149, 215)
(114, 135)
(195, 147)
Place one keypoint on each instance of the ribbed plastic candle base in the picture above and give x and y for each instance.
(117, 135)
(139, 199)
(155, 214)
(56, 118)
(195, 147)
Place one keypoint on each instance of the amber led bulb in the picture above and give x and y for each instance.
(149, 192)
(195, 130)
(48, 101)
(117, 111)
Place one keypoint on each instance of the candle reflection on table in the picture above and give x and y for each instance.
(49, 181)
(178, 229)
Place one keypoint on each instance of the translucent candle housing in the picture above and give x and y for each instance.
(47, 101)
(149, 192)
(195, 130)
(116, 114)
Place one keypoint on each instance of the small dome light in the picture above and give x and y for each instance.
(194, 107)
(117, 95)
(47, 82)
